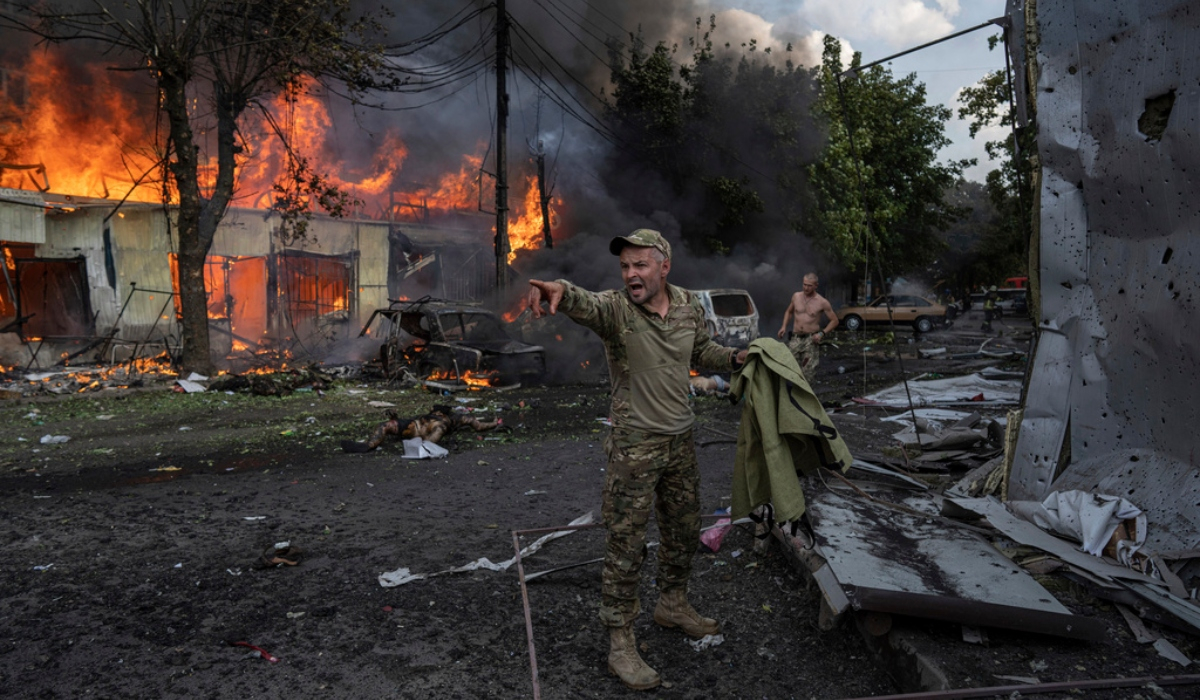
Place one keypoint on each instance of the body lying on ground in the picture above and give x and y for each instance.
(433, 426)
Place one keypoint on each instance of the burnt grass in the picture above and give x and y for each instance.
(132, 557)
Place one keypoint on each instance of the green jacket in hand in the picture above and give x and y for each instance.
(784, 430)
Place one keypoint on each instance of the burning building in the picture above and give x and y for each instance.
(87, 229)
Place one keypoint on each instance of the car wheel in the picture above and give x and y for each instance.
(852, 323)
(923, 324)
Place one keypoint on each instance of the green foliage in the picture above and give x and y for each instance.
(890, 198)
(1003, 250)
(726, 141)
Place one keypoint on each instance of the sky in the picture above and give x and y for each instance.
(880, 28)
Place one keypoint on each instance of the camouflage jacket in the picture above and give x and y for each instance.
(649, 356)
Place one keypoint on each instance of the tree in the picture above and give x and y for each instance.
(1004, 248)
(231, 54)
(725, 140)
(879, 187)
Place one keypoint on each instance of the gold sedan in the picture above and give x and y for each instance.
(923, 314)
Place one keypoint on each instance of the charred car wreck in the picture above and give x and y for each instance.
(731, 316)
(435, 338)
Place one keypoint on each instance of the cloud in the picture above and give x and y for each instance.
(898, 23)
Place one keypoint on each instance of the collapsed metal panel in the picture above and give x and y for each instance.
(895, 562)
(22, 216)
(1043, 427)
(1118, 110)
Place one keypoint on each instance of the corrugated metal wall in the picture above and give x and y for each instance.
(1118, 115)
(140, 241)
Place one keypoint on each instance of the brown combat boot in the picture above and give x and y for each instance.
(674, 610)
(625, 662)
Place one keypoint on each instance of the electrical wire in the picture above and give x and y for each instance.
(437, 34)
(574, 36)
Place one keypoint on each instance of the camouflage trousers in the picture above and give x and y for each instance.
(806, 352)
(647, 471)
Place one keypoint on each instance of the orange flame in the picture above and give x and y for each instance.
(85, 133)
(89, 143)
(306, 122)
(526, 233)
(475, 380)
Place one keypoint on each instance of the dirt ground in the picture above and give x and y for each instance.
(131, 555)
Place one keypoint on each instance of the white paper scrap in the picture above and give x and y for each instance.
(190, 386)
(401, 576)
(419, 448)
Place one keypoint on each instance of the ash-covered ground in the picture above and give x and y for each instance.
(132, 554)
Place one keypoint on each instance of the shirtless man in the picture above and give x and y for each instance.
(805, 313)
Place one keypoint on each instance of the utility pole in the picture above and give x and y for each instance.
(501, 147)
(543, 194)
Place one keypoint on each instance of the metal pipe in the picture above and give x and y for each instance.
(1040, 688)
(537, 691)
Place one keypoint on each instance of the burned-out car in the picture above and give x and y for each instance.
(448, 339)
(731, 316)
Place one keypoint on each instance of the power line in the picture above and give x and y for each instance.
(576, 37)
(598, 126)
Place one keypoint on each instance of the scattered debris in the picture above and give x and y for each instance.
(712, 535)
(420, 448)
(949, 391)
(54, 439)
(281, 383)
(706, 642)
(191, 387)
(403, 575)
(1090, 518)
(1168, 650)
(256, 652)
(280, 554)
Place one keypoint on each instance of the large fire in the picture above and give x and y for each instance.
(83, 149)
(98, 139)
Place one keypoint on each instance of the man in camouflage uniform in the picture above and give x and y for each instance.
(653, 333)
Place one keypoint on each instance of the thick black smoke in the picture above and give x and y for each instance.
(601, 197)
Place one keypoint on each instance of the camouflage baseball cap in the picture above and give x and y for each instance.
(642, 238)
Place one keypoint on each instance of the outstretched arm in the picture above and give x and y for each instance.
(550, 292)
(588, 309)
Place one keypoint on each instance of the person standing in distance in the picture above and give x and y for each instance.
(653, 332)
(804, 312)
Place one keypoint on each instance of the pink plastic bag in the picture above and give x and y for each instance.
(712, 537)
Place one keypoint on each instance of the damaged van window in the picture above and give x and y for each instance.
(732, 305)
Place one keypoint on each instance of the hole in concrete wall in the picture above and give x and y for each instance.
(1167, 256)
(1153, 121)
